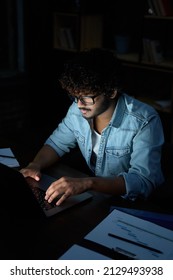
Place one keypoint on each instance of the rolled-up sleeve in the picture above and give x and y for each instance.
(145, 173)
(62, 139)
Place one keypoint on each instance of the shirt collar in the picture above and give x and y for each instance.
(118, 112)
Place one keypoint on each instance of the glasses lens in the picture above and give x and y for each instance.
(87, 100)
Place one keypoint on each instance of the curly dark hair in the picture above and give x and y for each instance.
(91, 71)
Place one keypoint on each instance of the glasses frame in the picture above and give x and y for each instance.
(82, 99)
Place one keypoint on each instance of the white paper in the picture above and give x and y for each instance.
(137, 230)
(10, 160)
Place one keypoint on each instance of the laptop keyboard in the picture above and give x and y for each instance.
(40, 195)
(38, 188)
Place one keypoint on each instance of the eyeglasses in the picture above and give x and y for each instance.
(86, 100)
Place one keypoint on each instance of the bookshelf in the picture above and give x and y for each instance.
(74, 31)
(148, 59)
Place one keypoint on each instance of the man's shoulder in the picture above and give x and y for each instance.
(137, 106)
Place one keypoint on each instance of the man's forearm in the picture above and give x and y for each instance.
(45, 157)
(113, 186)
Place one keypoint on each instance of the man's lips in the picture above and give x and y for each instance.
(84, 111)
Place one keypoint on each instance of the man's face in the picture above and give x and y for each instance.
(100, 106)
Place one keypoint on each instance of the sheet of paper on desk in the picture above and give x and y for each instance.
(8, 158)
(161, 219)
(143, 236)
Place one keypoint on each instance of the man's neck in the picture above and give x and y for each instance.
(102, 121)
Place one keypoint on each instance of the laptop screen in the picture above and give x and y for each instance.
(16, 198)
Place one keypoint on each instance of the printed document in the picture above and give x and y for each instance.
(8, 158)
(133, 236)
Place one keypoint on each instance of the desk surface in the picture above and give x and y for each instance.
(49, 238)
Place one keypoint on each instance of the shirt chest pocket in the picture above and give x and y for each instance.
(118, 159)
(117, 152)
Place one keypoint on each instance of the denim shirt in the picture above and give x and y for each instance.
(130, 145)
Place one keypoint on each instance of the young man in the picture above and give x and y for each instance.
(120, 137)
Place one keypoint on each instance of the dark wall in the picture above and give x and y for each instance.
(34, 100)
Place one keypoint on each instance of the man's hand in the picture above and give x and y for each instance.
(66, 186)
(32, 170)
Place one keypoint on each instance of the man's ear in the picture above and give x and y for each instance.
(114, 94)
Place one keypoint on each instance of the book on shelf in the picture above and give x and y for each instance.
(151, 8)
(156, 51)
(157, 7)
(64, 38)
(146, 50)
(152, 51)
(160, 7)
(166, 7)
(69, 37)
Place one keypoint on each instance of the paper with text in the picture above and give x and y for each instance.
(142, 236)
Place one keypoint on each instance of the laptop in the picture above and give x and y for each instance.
(27, 195)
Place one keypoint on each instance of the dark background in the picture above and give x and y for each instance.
(31, 100)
